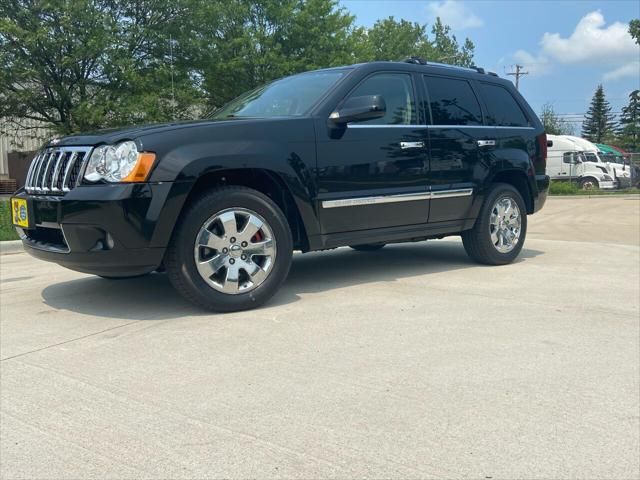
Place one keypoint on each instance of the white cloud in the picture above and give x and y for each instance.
(629, 70)
(535, 65)
(592, 42)
(455, 14)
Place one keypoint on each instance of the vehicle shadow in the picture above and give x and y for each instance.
(323, 271)
(153, 298)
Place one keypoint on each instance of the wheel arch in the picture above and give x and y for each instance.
(264, 181)
(589, 177)
(520, 181)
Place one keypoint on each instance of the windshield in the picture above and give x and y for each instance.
(609, 157)
(289, 96)
(591, 157)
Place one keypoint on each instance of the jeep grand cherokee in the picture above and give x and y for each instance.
(360, 156)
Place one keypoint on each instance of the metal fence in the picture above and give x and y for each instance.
(20, 135)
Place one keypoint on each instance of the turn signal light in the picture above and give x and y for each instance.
(143, 166)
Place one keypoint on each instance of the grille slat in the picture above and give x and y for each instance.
(32, 168)
(56, 170)
(66, 182)
(39, 170)
(56, 173)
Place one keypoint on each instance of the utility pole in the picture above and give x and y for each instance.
(518, 73)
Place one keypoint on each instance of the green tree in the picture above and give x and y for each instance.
(255, 41)
(553, 124)
(391, 39)
(634, 30)
(83, 64)
(629, 131)
(445, 47)
(598, 122)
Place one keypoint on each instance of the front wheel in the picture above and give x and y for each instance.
(231, 251)
(500, 229)
(589, 184)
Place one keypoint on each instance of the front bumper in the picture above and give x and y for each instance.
(607, 185)
(624, 182)
(111, 230)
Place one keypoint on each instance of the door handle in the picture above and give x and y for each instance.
(486, 143)
(406, 145)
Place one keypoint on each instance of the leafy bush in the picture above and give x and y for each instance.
(564, 188)
(569, 188)
(7, 232)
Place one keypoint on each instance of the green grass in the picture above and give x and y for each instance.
(568, 188)
(7, 232)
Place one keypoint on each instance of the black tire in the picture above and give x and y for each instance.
(368, 247)
(589, 183)
(180, 262)
(477, 241)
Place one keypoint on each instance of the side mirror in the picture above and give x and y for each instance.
(358, 109)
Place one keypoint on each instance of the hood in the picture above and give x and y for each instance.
(115, 135)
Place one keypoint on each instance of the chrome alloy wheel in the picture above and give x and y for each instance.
(505, 224)
(235, 251)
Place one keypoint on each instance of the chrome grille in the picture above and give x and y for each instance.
(56, 170)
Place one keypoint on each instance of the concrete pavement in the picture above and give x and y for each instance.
(411, 362)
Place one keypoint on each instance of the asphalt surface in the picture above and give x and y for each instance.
(411, 362)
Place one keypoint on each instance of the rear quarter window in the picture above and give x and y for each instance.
(502, 109)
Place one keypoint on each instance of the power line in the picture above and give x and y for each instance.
(518, 73)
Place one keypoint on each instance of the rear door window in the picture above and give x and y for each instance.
(502, 108)
(452, 102)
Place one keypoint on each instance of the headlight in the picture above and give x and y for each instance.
(119, 163)
(607, 178)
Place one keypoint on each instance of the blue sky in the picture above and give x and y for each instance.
(568, 46)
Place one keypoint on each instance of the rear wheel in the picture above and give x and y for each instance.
(231, 250)
(500, 229)
(369, 247)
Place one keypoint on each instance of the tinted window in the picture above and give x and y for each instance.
(397, 91)
(452, 102)
(288, 96)
(503, 109)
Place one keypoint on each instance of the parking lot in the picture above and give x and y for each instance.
(410, 362)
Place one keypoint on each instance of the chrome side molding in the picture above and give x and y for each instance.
(403, 197)
(408, 145)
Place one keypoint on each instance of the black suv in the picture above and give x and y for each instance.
(361, 155)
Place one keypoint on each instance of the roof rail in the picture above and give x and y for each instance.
(415, 60)
(422, 61)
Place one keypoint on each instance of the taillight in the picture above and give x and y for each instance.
(541, 161)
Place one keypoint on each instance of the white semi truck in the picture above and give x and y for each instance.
(567, 161)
